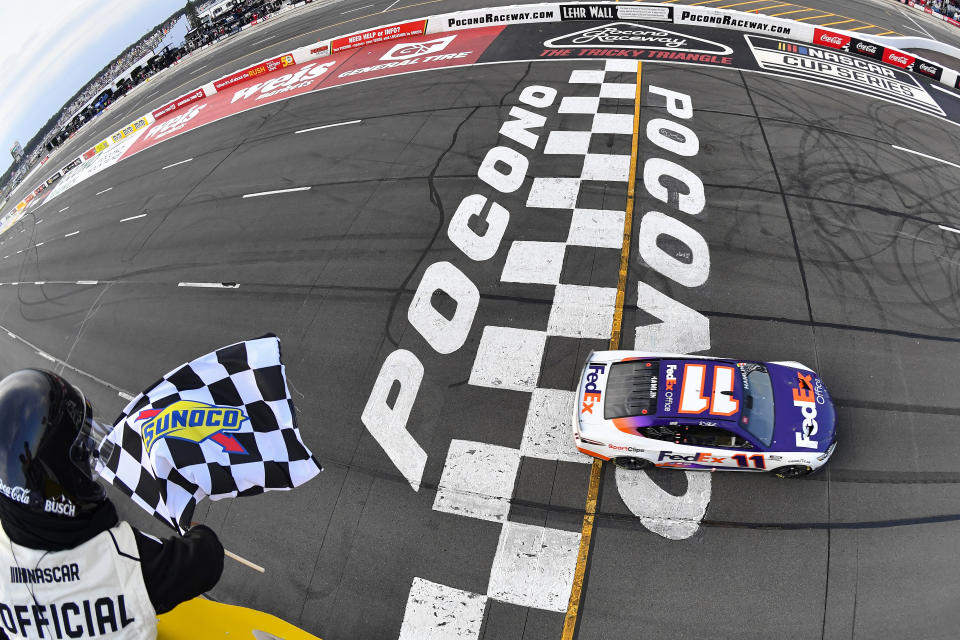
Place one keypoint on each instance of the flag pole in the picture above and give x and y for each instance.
(243, 561)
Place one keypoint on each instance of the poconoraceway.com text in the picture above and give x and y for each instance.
(730, 21)
(494, 18)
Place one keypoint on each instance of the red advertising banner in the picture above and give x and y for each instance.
(830, 39)
(898, 58)
(268, 66)
(193, 96)
(382, 34)
(89, 153)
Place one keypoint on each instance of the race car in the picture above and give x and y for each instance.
(641, 410)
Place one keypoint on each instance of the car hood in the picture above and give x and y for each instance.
(805, 419)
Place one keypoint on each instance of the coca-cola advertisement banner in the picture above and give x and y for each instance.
(897, 58)
(826, 38)
(864, 48)
(381, 34)
(928, 69)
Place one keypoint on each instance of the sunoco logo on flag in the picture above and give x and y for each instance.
(221, 426)
(193, 421)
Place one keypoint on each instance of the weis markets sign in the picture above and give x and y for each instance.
(182, 101)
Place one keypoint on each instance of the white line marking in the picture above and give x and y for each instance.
(508, 358)
(5, 257)
(477, 480)
(104, 191)
(582, 312)
(534, 262)
(210, 285)
(21, 251)
(64, 209)
(547, 431)
(11, 335)
(949, 93)
(87, 281)
(40, 244)
(917, 153)
(534, 566)
(41, 282)
(435, 612)
(176, 163)
(391, 6)
(916, 23)
(327, 126)
(46, 356)
(948, 228)
(672, 517)
(71, 234)
(366, 6)
(142, 215)
(270, 193)
(125, 396)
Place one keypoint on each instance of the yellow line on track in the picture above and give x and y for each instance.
(825, 15)
(593, 491)
(786, 13)
(838, 22)
(737, 4)
(884, 33)
(776, 6)
(866, 26)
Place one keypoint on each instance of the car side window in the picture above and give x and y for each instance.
(698, 436)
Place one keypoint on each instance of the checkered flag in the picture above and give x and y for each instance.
(222, 425)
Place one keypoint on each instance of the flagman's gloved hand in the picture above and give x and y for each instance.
(178, 569)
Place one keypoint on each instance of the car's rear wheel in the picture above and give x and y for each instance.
(633, 464)
(793, 471)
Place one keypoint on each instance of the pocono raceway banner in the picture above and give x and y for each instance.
(654, 32)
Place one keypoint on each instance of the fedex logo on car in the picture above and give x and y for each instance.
(592, 393)
(701, 457)
(805, 397)
(670, 381)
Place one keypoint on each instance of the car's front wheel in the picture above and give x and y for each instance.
(793, 471)
(633, 464)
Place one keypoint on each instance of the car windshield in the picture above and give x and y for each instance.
(757, 414)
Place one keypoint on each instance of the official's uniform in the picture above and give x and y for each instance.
(95, 577)
(95, 590)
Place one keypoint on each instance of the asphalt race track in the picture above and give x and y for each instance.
(827, 234)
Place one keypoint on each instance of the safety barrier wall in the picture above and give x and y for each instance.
(929, 11)
(849, 42)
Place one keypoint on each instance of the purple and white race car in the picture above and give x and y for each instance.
(643, 409)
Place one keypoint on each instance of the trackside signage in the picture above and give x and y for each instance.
(843, 71)
(615, 12)
(513, 15)
(267, 66)
(380, 34)
(182, 101)
(741, 22)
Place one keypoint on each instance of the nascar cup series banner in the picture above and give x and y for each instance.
(221, 426)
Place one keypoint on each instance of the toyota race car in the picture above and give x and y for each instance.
(696, 412)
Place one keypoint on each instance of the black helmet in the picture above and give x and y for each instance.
(47, 447)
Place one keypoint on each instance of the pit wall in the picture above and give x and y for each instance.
(852, 43)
